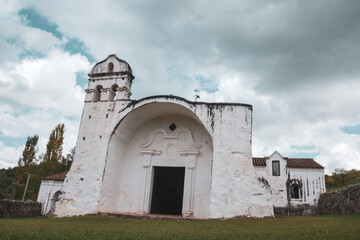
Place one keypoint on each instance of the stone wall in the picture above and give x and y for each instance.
(304, 210)
(342, 201)
(10, 208)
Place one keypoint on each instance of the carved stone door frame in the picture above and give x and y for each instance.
(174, 149)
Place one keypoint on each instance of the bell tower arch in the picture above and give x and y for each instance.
(110, 80)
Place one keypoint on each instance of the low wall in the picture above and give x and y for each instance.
(295, 211)
(10, 208)
(342, 201)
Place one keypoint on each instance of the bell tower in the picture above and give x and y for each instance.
(110, 80)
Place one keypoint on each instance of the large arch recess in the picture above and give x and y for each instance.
(146, 138)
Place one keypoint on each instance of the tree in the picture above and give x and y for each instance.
(54, 146)
(53, 156)
(25, 164)
(341, 173)
(67, 161)
(6, 182)
(29, 153)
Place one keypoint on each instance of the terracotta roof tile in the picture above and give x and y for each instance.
(290, 162)
(259, 162)
(56, 177)
(302, 163)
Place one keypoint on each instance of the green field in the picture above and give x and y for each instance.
(96, 227)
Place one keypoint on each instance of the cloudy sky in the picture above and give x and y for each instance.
(296, 62)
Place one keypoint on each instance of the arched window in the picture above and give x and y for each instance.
(114, 91)
(295, 191)
(110, 67)
(97, 93)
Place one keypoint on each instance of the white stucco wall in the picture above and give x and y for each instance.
(313, 182)
(235, 189)
(126, 174)
(48, 192)
(108, 151)
(277, 183)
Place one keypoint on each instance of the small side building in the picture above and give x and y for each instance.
(293, 181)
(50, 191)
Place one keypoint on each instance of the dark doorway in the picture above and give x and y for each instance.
(168, 190)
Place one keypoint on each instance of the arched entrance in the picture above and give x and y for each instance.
(159, 161)
(53, 201)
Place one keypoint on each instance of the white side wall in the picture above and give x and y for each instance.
(47, 192)
(277, 183)
(235, 189)
(313, 182)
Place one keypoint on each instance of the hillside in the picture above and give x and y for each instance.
(341, 178)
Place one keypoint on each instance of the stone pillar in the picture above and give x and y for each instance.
(95, 95)
(188, 202)
(147, 154)
(88, 95)
(123, 93)
(104, 96)
(112, 95)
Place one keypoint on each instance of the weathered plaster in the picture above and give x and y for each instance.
(312, 181)
(108, 169)
(48, 194)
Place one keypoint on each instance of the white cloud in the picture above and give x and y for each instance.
(295, 62)
(52, 80)
(9, 155)
(310, 116)
(40, 93)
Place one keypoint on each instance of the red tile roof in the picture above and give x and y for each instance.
(56, 177)
(290, 163)
(302, 163)
(259, 162)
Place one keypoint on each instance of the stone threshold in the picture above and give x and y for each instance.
(146, 216)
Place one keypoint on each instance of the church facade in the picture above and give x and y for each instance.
(161, 155)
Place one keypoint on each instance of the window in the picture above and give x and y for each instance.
(275, 168)
(295, 188)
(110, 67)
(172, 127)
(97, 93)
(294, 191)
(114, 92)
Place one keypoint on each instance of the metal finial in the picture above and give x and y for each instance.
(196, 96)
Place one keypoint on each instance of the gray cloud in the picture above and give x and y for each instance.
(297, 62)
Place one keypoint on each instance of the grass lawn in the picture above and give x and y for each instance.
(96, 227)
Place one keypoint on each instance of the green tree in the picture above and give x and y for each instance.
(25, 165)
(6, 182)
(54, 146)
(29, 153)
(67, 161)
(341, 178)
(53, 156)
(340, 173)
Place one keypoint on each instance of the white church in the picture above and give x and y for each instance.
(170, 156)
